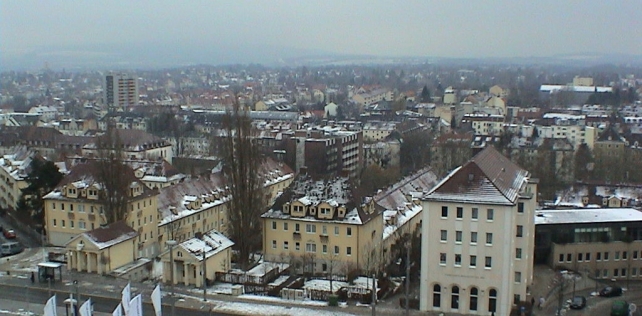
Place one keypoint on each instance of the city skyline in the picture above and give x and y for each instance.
(257, 31)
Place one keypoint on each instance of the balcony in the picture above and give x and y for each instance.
(296, 235)
(324, 239)
(71, 215)
(139, 214)
(91, 217)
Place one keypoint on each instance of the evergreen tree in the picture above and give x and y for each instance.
(425, 94)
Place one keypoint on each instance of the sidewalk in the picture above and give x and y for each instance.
(10, 307)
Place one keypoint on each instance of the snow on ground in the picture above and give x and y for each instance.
(157, 269)
(264, 267)
(260, 309)
(364, 282)
(324, 285)
(280, 300)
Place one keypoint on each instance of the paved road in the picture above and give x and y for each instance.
(595, 305)
(101, 304)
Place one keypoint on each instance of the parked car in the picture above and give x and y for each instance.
(620, 308)
(9, 234)
(578, 302)
(611, 291)
(11, 248)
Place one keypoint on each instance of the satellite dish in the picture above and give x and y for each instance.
(632, 308)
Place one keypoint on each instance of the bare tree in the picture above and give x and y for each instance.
(113, 175)
(242, 160)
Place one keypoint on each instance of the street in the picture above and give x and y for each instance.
(595, 305)
(101, 304)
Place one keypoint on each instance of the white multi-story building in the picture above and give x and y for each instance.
(477, 238)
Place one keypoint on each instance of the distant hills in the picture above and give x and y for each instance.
(153, 55)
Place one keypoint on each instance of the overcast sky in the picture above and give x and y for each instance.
(502, 28)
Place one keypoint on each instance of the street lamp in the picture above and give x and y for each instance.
(171, 244)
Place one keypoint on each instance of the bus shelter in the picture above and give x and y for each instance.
(47, 271)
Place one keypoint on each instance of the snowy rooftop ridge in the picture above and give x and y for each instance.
(211, 242)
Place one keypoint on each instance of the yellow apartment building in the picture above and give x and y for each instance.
(199, 206)
(14, 168)
(74, 207)
(322, 227)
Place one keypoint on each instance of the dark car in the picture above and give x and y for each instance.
(9, 234)
(611, 291)
(578, 302)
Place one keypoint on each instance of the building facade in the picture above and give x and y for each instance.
(477, 232)
(76, 206)
(120, 90)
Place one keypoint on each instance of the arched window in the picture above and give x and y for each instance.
(454, 298)
(492, 300)
(436, 295)
(473, 299)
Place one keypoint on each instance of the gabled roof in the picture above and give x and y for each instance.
(488, 178)
(104, 237)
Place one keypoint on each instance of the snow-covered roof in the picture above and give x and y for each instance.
(591, 215)
(212, 242)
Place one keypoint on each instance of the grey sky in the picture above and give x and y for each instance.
(502, 28)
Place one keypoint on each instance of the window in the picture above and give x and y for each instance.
(458, 236)
(285, 226)
(473, 237)
(623, 272)
(336, 250)
(286, 245)
(71, 207)
(625, 255)
(475, 213)
(473, 299)
(587, 257)
(81, 225)
(460, 212)
(635, 254)
(579, 257)
(296, 227)
(598, 256)
(518, 277)
(324, 230)
(605, 273)
(490, 214)
(336, 230)
(324, 248)
(606, 256)
(71, 224)
(569, 257)
(81, 208)
(520, 207)
(297, 246)
(489, 238)
(634, 271)
(349, 231)
(310, 247)
(442, 258)
(616, 272)
(444, 235)
(273, 244)
(444, 211)
(454, 300)
(518, 253)
(54, 222)
(488, 262)
(62, 206)
(436, 295)
(561, 257)
(617, 255)
(310, 228)
(473, 261)
(349, 251)
(520, 231)
(62, 222)
(458, 260)
(53, 206)
(492, 300)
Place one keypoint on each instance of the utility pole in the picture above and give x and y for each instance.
(374, 294)
(204, 277)
(560, 296)
(171, 244)
(409, 243)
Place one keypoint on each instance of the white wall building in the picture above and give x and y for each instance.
(478, 236)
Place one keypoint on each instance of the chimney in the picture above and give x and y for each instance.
(198, 235)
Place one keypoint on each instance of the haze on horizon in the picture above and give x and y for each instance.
(39, 29)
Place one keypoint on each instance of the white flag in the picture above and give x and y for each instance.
(136, 306)
(50, 307)
(85, 309)
(118, 311)
(156, 300)
(126, 298)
